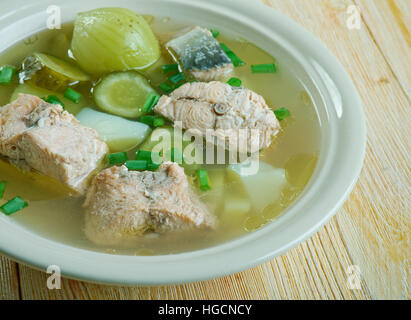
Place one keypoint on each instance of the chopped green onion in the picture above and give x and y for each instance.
(155, 101)
(73, 95)
(14, 205)
(54, 100)
(158, 122)
(117, 158)
(264, 68)
(148, 120)
(137, 165)
(177, 78)
(176, 156)
(153, 166)
(145, 155)
(166, 87)
(282, 114)
(237, 62)
(169, 67)
(203, 179)
(7, 74)
(235, 82)
(148, 156)
(215, 32)
(152, 121)
(2, 188)
(148, 104)
(225, 48)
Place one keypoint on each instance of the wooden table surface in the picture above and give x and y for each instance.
(371, 231)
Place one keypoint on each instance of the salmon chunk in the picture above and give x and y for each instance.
(43, 137)
(122, 205)
(200, 54)
(218, 112)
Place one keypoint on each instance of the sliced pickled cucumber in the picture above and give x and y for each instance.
(122, 93)
(69, 106)
(51, 73)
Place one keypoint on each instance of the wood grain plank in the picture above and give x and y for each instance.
(9, 279)
(375, 221)
(390, 24)
(371, 231)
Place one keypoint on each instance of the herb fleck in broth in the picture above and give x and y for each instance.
(295, 149)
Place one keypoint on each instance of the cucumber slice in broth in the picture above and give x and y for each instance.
(65, 69)
(50, 72)
(123, 93)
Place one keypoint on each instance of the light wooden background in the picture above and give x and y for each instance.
(371, 231)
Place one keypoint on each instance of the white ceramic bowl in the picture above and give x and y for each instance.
(340, 161)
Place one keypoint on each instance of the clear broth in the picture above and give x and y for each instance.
(296, 149)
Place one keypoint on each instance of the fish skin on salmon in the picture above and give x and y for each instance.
(218, 112)
(200, 54)
(122, 205)
(38, 135)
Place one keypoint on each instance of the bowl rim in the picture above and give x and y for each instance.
(342, 167)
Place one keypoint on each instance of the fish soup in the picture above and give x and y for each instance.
(152, 79)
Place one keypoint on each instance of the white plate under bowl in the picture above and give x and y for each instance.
(342, 145)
